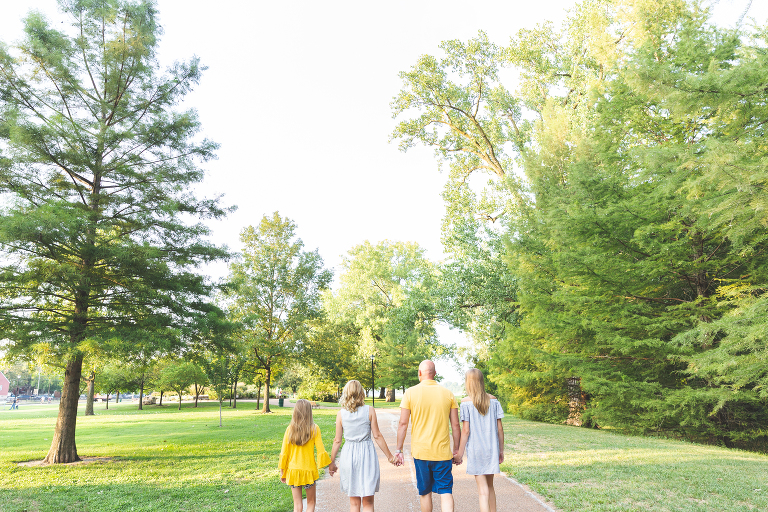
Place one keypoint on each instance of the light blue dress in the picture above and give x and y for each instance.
(482, 448)
(358, 465)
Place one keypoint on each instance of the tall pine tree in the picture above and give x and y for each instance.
(96, 170)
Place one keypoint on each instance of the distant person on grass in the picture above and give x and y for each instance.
(482, 435)
(359, 466)
(297, 456)
(431, 409)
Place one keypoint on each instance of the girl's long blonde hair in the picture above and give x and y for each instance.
(353, 396)
(475, 386)
(302, 426)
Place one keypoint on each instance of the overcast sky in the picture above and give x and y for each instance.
(297, 93)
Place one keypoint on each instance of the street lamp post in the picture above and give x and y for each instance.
(373, 385)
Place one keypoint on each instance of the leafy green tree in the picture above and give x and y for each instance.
(386, 302)
(113, 378)
(275, 293)
(332, 350)
(215, 364)
(96, 171)
(180, 375)
(458, 106)
(290, 378)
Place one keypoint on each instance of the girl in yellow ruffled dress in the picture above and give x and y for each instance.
(297, 458)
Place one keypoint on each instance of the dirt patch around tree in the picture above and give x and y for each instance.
(82, 461)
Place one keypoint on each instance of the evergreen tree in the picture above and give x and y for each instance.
(96, 170)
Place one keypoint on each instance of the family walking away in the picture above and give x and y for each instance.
(437, 443)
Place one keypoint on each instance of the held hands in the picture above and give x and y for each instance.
(398, 459)
(458, 458)
(332, 468)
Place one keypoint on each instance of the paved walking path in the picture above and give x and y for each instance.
(398, 485)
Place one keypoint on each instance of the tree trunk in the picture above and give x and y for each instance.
(234, 395)
(179, 401)
(89, 394)
(390, 395)
(381, 393)
(161, 398)
(107, 400)
(141, 396)
(63, 448)
(266, 391)
(575, 405)
(258, 397)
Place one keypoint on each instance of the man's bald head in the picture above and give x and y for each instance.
(427, 370)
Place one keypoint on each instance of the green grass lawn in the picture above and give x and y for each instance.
(169, 460)
(581, 469)
(163, 459)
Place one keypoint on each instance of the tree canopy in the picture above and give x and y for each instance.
(629, 159)
(96, 173)
(275, 293)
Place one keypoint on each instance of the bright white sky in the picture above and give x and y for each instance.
(297, 93)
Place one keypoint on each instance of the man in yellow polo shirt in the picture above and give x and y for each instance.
(431, 409)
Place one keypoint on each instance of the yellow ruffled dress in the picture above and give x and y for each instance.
(298, 462)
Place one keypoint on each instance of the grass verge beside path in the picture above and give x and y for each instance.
(163, 459)
(581, 469)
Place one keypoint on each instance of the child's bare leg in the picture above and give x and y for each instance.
(491, 494)
(368, 504)
(298, 506)
(482, 491)
(311, 493)
(354, 504)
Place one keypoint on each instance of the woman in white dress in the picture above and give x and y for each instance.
(482, 435)
(358, 466)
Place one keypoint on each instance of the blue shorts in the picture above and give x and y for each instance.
(434, 476)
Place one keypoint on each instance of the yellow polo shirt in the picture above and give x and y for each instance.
(430, 405)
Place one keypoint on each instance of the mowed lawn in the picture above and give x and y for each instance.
(162, 459)
(581, 469)
(169, 460)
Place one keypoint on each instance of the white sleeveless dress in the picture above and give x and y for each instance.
(359, 465)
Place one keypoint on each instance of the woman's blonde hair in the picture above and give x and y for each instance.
(353, 396)
(475, 386)
(302, 426)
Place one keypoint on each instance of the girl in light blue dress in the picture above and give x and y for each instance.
(482, 436)
(358, 466)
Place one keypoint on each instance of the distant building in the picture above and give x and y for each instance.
(5, 384)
